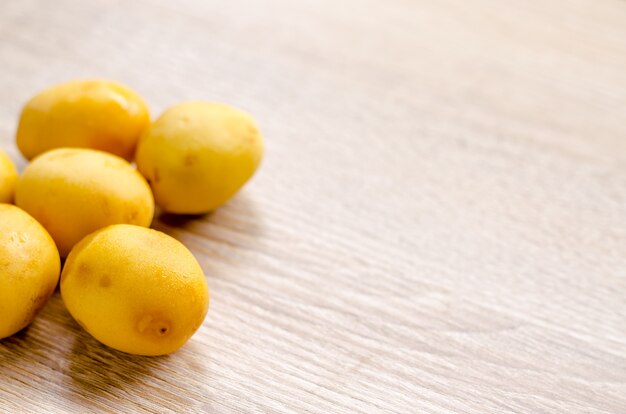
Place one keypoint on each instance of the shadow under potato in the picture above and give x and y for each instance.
(104, 377)
(239, 214)
(179, 220)
(15, 341)
(98, 369)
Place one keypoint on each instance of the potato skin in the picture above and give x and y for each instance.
(97, 114)
(8, 178)
(73, 192)
(197, 155)
(30, 266)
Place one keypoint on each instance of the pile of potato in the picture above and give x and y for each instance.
(133, 288)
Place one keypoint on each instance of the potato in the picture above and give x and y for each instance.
(197, 155)
(135, 289)
(94, 114)
(73, 192)
(30, 269)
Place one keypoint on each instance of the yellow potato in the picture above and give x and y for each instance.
(197, 155)
(8, 178)
(73, 192)
(29, 269)
(134, 289)
(94, 114)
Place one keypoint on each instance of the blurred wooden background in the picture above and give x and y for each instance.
(439, 224)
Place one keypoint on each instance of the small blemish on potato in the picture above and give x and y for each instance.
(18, 238)
(83, 272)
(190, 159)
(149, 325)
(105, 281)
(156, 176)
(131, 215)
(144, 323)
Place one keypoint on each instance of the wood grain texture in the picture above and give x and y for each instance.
(439, 224)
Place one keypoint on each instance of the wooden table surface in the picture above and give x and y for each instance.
(439, 224)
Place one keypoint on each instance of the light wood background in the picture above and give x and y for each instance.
(439, 224)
